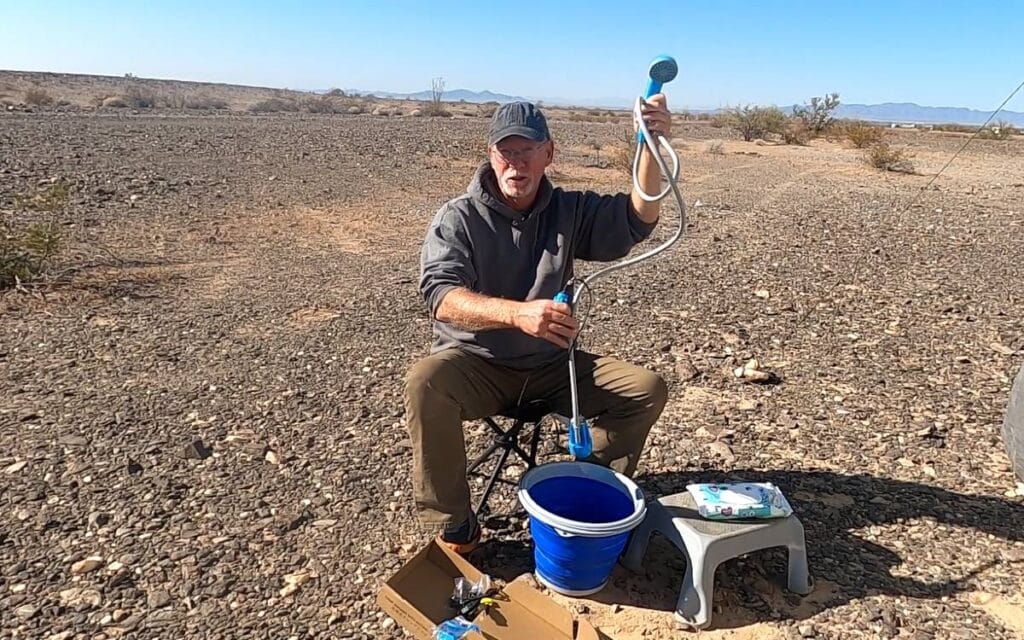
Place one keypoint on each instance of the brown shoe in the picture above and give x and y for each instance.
(462, 538)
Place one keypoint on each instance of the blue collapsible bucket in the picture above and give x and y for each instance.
(581, 515)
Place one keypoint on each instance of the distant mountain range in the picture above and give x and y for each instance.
(886, 112)
(910, 112)
(455, 95)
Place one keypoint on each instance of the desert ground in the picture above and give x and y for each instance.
(204, 405)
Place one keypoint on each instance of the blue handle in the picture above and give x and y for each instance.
(653, 87)
(580, 443)
(563, 297)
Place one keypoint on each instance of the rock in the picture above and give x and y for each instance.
(97, 520)
(360, 507)
(686, 371)
(73, 441)
(387, 624)
(751, 372)
(616, 608)
(158, 599)
(85, 566)
(747, 405)
(721, 449)
(77, 596)
(195, 450)
(293, 581)
(806, 631)
(63, 635)
(16, 467)
(132, 467)
(764, 294)
(26, 611)
(271, 457)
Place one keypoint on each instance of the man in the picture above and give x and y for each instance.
(492, 261)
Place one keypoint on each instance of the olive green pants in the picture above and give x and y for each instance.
(620, 400)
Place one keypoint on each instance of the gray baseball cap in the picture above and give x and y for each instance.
(519, 119)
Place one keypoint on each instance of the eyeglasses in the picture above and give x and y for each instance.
(514, 155)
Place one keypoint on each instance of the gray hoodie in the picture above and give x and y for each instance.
(478, 242)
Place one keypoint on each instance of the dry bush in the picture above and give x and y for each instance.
(795, 131)
(1001, 130)
(487, 109)
(38, 97)
(955, 128)
(622, 152)
(817, 114)
(27, 253)
(205, 102)
(435, 109)
(881, 156)
(755, 122)
(114, 101)
(274, 105)
(140, 97)
(715, 147)
(321, 104)
(862, 135)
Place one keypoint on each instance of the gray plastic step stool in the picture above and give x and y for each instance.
(708, 543)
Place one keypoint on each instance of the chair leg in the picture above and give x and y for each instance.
(534, 443)
(498, 468)
(483, 456)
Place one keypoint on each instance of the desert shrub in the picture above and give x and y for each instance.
(862, 135)
(273, 105)
(38, 97)
(755, 122)
(795, 131)
(172, 100)
(321, 104)
(622, 152)
(114, 101)
(140, 97)
(817, 114)
(487, 109)
(27, 253)
(336, 93)
(205, 102)
(1001, 130)
(881, 156)
(435, 107)
(955, 128)
(715, 147)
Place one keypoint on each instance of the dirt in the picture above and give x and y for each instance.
(208, 398)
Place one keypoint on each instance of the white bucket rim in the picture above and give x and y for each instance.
(566, 527)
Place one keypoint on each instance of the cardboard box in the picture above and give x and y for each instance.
(417, 598)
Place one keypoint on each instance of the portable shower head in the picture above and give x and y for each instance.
(663, 69)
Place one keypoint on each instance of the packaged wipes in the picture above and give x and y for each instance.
(739, 500)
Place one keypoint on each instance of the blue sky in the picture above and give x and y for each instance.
(967, 54)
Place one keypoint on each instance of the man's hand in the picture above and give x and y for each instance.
(659, 122)
(656, 115)
(546, 319)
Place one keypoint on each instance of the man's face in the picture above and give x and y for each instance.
(519, 164)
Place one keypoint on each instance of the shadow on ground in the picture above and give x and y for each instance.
(832, 507)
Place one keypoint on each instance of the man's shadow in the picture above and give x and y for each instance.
(832, 507)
